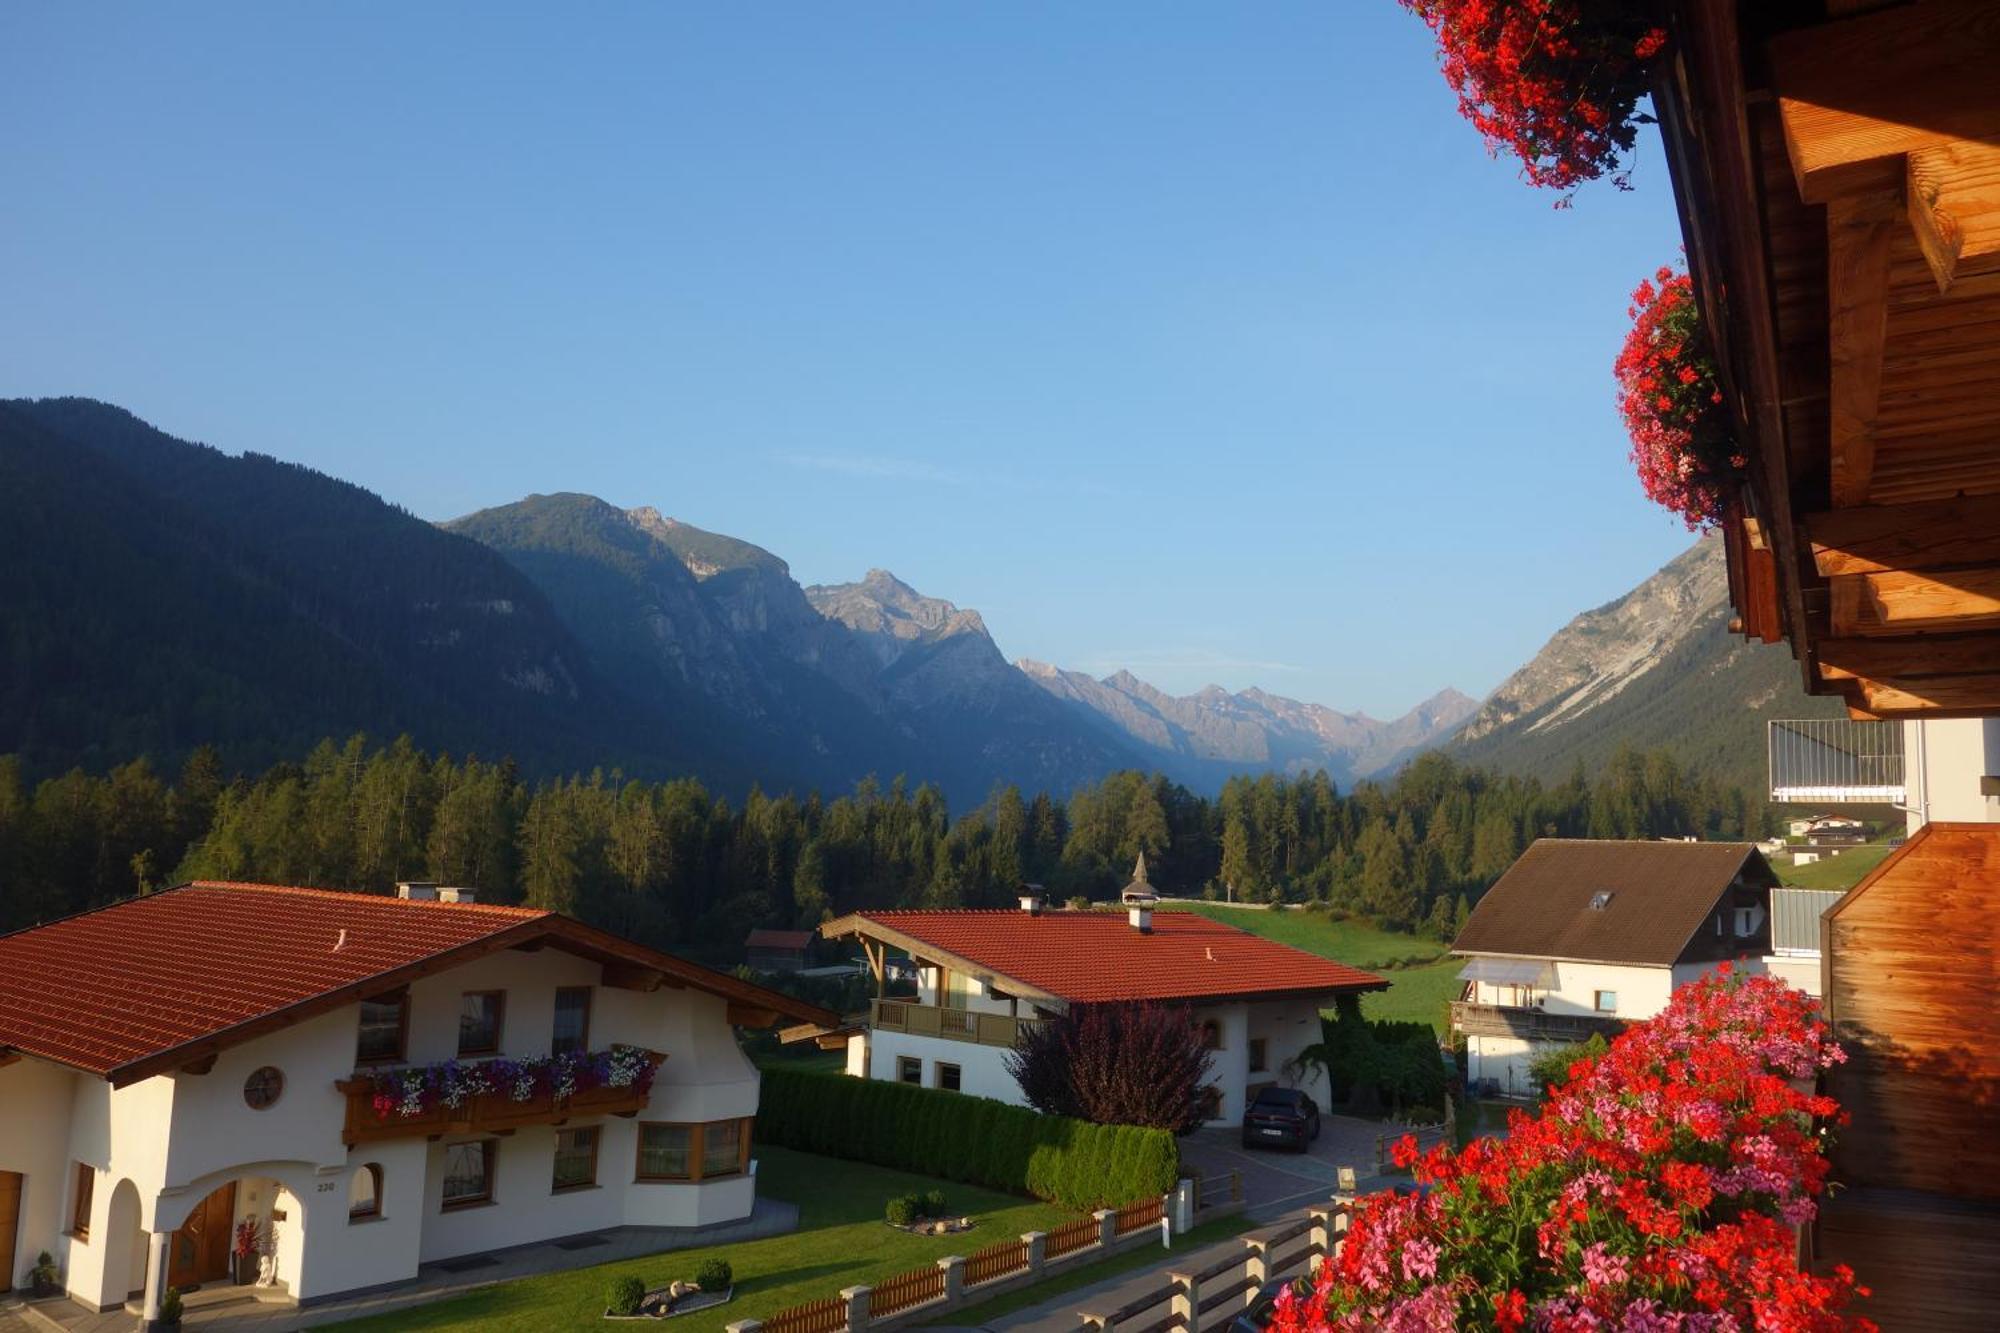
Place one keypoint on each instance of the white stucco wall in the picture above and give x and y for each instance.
(175, 1138)
(1799, 970)
(35, 1107)
(1944, 758)
(982, 1069)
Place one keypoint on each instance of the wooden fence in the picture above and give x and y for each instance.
(822, 1316)
(1009, 1256)
(1145, 1213)
(916, 1287)
(1213, 1191)
(1206, 1299)
(1072, 1236)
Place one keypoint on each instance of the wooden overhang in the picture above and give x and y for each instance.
(1837, 170)
(874, 936)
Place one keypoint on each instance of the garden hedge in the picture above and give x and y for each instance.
(972, 1139)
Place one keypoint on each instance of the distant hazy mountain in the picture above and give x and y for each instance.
(156, 595)
(1657, 668)
(822, 688)
(1203, 738)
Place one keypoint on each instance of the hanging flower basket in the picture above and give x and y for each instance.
(1660, 1188)
(455, 1086)
(1682, 443)
(1555, 82)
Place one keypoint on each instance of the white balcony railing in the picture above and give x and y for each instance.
(1832, 760)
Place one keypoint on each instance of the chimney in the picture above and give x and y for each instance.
(1033, 899)
(453, 894)
(1141, 917)
(417, 890)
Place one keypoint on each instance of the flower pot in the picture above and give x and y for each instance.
(243, 1269)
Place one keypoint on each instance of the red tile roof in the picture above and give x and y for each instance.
(107, 989)
(1096, 956)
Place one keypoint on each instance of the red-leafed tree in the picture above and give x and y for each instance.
(1116, 1064)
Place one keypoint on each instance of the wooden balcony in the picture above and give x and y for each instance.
(1506, 1020)
(489, 1113)
(930, 1020)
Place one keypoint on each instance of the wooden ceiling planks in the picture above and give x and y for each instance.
(1870, 222)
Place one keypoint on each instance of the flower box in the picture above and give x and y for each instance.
(492, 1096)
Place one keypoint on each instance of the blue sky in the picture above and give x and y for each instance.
(1200, 339)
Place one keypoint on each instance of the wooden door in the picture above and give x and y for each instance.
(10, 1216)
(199, 1251)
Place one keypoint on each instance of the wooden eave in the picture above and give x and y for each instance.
(627, 965)
(860, 926)
(1839, 190)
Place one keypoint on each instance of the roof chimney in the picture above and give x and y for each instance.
(1139, 898)
(455, 894)
(1033, 899)
(417, 890)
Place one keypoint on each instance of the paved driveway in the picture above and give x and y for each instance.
(1279, 1180)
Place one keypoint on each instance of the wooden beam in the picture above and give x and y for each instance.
(201, 1066)
(1894, 603)
(1857, 95)
(1964, 694)
(1858, 232)
(748, 1016)
(1891, 660)
(1932, 534)
(631, 976)
(8, 1058)
(1954, 200)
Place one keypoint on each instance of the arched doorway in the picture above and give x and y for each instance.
(198, 1250)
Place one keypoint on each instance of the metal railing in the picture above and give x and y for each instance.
(1835, 760)
(1506, 1020)
(930, 1020)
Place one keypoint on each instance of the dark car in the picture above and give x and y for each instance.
(1281, 1116)
(1256, 1316)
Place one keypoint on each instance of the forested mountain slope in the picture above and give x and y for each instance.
(1654, 669)
(156, 595)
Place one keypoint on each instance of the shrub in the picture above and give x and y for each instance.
(1115, 1064)
(933, 1203)
(714, 1275)
(1551, 1068)
(904, 1209)
(170, 1308)
(972, 1139)
(625, 1295)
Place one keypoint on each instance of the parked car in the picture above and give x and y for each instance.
(1281, 1116)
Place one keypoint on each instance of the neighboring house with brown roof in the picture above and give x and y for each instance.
(984, 975)
(1584, 935)
(777, 950)
(175, 1065)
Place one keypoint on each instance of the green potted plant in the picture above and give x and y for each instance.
(170, 1310)
(43, 1279)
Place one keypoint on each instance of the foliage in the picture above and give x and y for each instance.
(421, 1088)
(1372, 1064)
(625, 1295)
(933, 1203)
(1556, 82)
(1668, 393)
(974, 1140)
(170, 1308)
(1658, 1189)
(675, 866)
(714, 1274)
(42, 1279)
(903, 1210)
(1551, 1069)
(1115, 1064)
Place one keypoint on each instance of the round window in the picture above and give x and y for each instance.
(263, 1088)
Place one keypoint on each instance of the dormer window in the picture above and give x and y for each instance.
(1600, 900)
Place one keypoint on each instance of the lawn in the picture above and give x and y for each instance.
(841, 1242)
(1421, 978)
(1836, 872)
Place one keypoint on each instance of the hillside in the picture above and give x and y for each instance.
(159, 595)
(1656, 668)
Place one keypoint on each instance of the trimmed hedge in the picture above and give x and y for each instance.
(975, 1140)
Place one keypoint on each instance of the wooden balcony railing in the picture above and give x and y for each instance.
(930, 1020)
(493, 1112)
(1506, 1020)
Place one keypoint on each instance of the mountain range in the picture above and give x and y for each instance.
(160, 594)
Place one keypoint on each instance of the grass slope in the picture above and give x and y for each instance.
(1836, 872)
(1421, 979)
(841, 1242)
